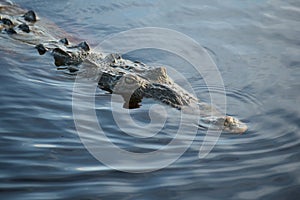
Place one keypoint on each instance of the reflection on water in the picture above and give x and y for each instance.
(256, 47)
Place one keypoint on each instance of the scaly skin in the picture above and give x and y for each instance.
(132, 80)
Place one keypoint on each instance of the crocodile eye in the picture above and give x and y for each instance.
(228, 121)
(225, 123)
(129, 80)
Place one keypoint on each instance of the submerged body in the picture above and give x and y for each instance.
(132, 80)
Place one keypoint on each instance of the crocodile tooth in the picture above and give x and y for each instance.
(30, 16)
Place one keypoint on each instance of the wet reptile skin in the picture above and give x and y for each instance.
(132, 80)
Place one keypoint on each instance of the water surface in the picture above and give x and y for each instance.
(255, 45)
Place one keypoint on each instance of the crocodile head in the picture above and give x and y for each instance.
(133, 86)
(228, 124)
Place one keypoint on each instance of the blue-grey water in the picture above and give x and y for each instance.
(256, 46)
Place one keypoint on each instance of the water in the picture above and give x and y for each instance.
(256, 47)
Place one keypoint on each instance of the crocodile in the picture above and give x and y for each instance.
(133, 80)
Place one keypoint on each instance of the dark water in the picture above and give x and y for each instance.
(256, 47)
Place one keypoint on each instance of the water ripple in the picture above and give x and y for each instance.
(42, 156)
